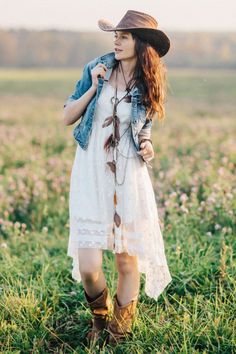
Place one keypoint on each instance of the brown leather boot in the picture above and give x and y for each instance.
(100, 307)
(120, 325)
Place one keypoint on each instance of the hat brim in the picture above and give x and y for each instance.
(105, 25)
(155, 37)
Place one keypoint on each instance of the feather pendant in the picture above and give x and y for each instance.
(117, 130)
(117, 219)
(107, 121)
(112, 166)
(115, 199)
(108, 143)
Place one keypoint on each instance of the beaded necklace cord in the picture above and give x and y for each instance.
(113, 140)
(117, 152)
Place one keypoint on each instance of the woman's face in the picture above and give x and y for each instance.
(124, 45)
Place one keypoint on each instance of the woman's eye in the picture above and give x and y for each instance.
(121, 36)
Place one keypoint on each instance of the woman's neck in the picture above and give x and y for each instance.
(128, 67)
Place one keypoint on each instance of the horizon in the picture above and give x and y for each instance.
(97, 31)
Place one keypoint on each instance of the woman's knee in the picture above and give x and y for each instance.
(125, 263)
(90, 263)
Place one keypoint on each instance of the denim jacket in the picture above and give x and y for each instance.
(140, 126)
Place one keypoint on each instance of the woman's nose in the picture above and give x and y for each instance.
(116, 41)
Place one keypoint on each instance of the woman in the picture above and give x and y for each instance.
(112, 201)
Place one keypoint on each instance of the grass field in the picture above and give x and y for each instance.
(42, 309)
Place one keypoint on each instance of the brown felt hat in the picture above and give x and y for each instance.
(144, 26)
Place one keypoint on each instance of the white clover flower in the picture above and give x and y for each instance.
(17, 225)
(184, 209)
(217, 226)
(3, 245)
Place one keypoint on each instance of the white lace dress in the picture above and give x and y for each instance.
(91, 200)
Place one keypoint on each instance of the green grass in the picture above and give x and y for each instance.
(42, 309)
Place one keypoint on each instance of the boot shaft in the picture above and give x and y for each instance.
(122, 321)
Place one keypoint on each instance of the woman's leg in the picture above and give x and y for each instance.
(90, 266)
(128, 278)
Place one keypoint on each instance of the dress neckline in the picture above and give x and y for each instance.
(123, 91)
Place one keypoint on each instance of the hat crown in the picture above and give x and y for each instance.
(137, 19)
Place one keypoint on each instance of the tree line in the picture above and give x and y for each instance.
(57, 48)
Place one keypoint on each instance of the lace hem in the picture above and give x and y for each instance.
(157, 276)
(142, 239)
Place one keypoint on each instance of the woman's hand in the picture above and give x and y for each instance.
(146, 151)
(98, 71)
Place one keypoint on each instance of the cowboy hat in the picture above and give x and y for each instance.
(144, 26)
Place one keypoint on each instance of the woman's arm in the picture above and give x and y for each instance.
(84, 91)
(73, 110)
(145, 132)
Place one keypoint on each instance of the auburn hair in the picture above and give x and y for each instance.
(150, 76)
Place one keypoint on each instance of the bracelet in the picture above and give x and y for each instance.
(144, 139)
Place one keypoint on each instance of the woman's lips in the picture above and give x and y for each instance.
(118, 50)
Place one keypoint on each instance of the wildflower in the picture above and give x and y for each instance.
(167, 203)
(194, 189)
(173, 195)
(17, 225)
(224, 159)
(217, 227)
(211, 199)
(185, 210)
(221, 171)
(183, 197)
(3, 245)
(216, 187)
(178, 250)
(224, 230)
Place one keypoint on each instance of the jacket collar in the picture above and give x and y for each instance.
(109, 60)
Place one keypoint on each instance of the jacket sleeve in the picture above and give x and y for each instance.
(82, 85)
(145, 132)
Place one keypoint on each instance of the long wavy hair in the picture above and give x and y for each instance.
(150, 76)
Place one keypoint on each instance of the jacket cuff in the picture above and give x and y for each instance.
(145, 132)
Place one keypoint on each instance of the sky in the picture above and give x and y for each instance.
(83, 15)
